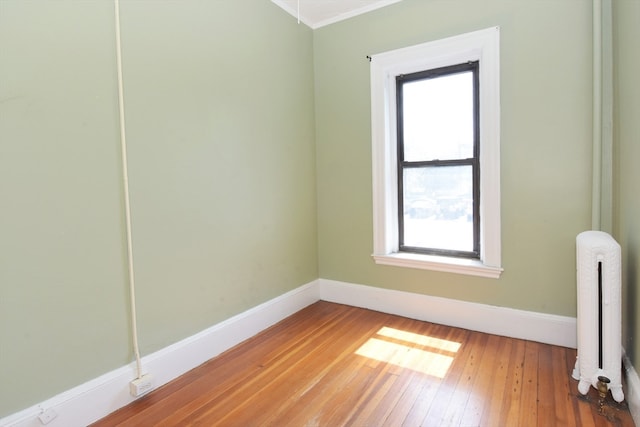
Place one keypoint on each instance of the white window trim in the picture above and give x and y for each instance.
(483, 46)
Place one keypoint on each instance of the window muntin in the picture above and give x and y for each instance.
(438, 161)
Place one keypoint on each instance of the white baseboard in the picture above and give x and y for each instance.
(101, 396)
(632, 392)
(540, 327)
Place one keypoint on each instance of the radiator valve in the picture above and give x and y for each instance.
(603, 388)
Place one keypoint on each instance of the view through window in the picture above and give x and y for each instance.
(438, 174)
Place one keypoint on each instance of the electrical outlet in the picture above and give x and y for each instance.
(47, 416)
(141, 385)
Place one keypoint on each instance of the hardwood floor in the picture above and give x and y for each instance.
(334, 365)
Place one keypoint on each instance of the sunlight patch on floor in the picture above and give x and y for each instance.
(428, 359)
(424, 340)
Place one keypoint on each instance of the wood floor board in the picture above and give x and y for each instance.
(563, 401)
(446, 389)
(514, 386)
(469, 358)
(528, 409)
(334, 365)
(430, 385)
(413, 384)
(401, 407)
(482, 384)
(498, 384)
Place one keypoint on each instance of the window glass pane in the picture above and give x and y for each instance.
(438, 207)
(438, 118)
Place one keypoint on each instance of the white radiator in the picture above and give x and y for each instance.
(599, 319)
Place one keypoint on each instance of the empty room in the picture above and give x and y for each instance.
(318, 213)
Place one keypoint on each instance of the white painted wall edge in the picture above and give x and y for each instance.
(540, 327)
(632, 392)
(99, 397)
(93, 400)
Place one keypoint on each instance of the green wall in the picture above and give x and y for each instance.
(545, 146)
(227, 143)
(626, 16)
(220, 125)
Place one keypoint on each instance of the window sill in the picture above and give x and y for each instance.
(438, 263)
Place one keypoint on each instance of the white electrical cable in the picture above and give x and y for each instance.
(125, 182)
(596, 191)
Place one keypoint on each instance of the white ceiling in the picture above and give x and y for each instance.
(318, 13)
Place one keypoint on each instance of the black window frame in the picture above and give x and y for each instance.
(474, 162)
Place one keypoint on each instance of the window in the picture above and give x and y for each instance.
(436, 155)
(438, 168)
